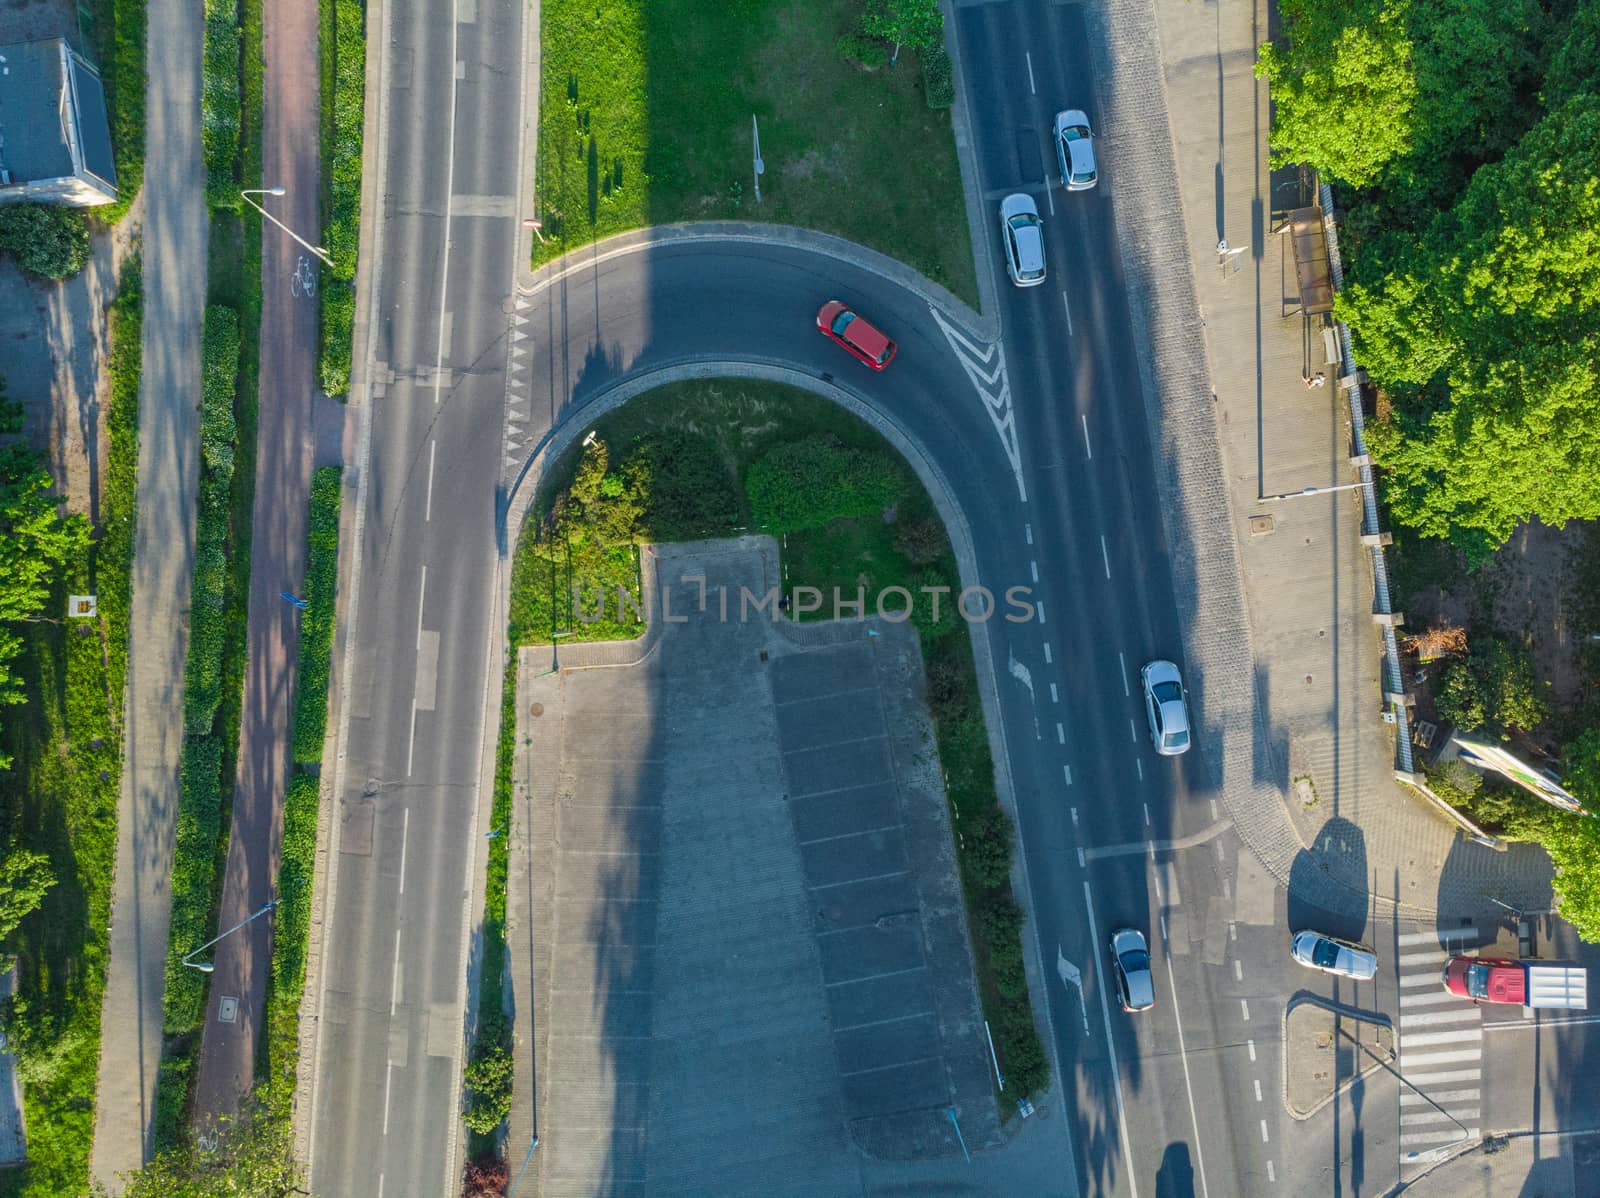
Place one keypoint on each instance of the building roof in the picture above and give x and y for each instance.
(52, 103)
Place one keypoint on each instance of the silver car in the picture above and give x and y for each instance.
(1023, 233)
(1331, 955)
(1166, 706)
(1075, 151)
(1130, 961)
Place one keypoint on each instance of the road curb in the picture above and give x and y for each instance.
(1376, 1018)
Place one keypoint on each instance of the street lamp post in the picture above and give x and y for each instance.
(1306, 491)
(208, 966)
(245, 195)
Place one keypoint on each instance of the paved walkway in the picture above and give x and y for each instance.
(163, 563)
(284, 447)
(1282, 631)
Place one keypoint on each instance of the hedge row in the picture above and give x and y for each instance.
(114, 556)
(218, 430)
(48, 240)
(316, 624)
(344, 95)
(810, 483)
(120, 34)
(219, 102)
(193, 867)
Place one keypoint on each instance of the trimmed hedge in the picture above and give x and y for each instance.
(345, 96)
(193, 865)
(219, 103)
(114, 557)
(938, 78)
(218, 430)
(316, 623)
(810, 483)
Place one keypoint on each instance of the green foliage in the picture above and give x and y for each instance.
(624, 144)
(1493, 689)
(209, 589)
(1582, 774)
(120, 34)
(172, 1088)
(253, 1155)
(687, 489)
(1343, 86)
(219, 102)
(114, 555)
(316, 623)
(488, 1089)
(25, 878)
(921, 539)
(1573, 842)
(296, 875)
(938, 77)
(194, 857)
(344, 96)
(1490, 336)
(868, 51)
(914, 23)
(1576, 64)
(49, 240)
(806, 484)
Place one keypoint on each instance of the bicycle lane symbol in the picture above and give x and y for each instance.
(304, 280)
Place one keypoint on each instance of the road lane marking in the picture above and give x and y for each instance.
(388, 1082)
(1105, 554)
(1047, 657)
(1213, 810)
(1257, 1082)
(1460, 1035)
(1054, 698)
(1468, 1136)
(1040, 606)
(1068, 307)
(1526, 1023)
(1412, 1098)
(427, 510)
(1428, 998)
(405, 832)
(1066, 771)
(1074, 810)
(1410, 1019)
(1081, 862)
(1238, 974)
(1407, 939)
(1111, 1050)
(411, 736)
(1183, 1056)
(1410, 981)
(1251, 1045)
(1244, 1010)
(1163, 929)
(1233, 930)
(1146, 814)
(1087, 449)
(1061, 735)
(394, 976)
(1411, 1060)
(1027, 531)
(1139, 765)
(1272, 1175)
(1122, 663)
(1032, 91)
(1460, 1115)
(1263, 1131)
(1133, 731)
(1034, 567)
(1415, 958)
(1227, 888)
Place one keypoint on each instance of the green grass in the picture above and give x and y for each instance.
(120, 38)
(735, 426)
(220, 103)
(645, 119)
(316, 623)
(343, 97)
(60, 798)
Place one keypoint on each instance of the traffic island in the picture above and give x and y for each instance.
(1326, 1048)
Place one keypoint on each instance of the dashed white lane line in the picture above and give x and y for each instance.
(1068, 307)
(388, 1082)
(1244, 1011)
(1183, 1056)
(1272, 1174)
(1074, 816)
(1047, 658)
(1081, 862)
(411, 736)
(1263, 1131)
(427, 507)
(1133, 731)
(1054, 698)
(1105, 554)
(1122, 663)
(1147, 815)
(1032, 90)
(1139, 765)
(1027, 531)
(1087, 449)
(1034, 567)
(405, 832)
(1238, 972)
(1257, 1082)
(1061, 735)
(1213, 803)
(1251, 1045)
(1111, 1049)
(1040, 606)
(1066, 771)
(394, 976)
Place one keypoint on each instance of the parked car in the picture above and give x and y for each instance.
(1023, 234)
(1541, 984)
(1166, 706)
(1130, 962)
(1342, 958)
(1075, 151)
(858, 337)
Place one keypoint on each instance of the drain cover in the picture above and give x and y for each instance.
(228, 1009)
(1260, 526)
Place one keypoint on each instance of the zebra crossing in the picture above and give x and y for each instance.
(1440, 1045)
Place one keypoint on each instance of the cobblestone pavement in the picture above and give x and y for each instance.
(1280, 628)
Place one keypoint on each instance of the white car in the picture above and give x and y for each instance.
(1335, 956)
(1075, 151)
(1023, 234)
(1166, 707)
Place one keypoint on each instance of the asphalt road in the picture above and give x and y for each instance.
(388, 1073)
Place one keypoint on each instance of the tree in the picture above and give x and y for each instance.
(1489, 338)
(488, 1077)
(25, 878)
(1343, 86)
(915, 23)
(253, 1158)
(1573, 842)
(1582, 775)
(48, 240)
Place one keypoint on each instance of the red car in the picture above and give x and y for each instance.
(843, 327)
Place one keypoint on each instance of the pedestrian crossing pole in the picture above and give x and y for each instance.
(760, 166)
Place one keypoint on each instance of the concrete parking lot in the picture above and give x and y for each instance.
(743, 959)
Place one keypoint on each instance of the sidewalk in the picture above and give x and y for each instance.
(1282, 637)
(284, 444)
(163, 563)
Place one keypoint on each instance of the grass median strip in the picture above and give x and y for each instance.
(627, 137)
(344, 73)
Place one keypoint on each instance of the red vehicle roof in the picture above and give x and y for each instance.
(1487, 979)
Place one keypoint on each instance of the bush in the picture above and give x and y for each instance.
(810, 483)
(48, 240)
(338, 333)
(316, 623)
(938, 78)
(868, 51)
(687, 489)
(120, 32)
(485, 1177)
(1494, 689)
(219, 103)
(920, 540)
(489, 1076)
(296, 871)
(986, 841)
(193, 866)
(344, 96)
